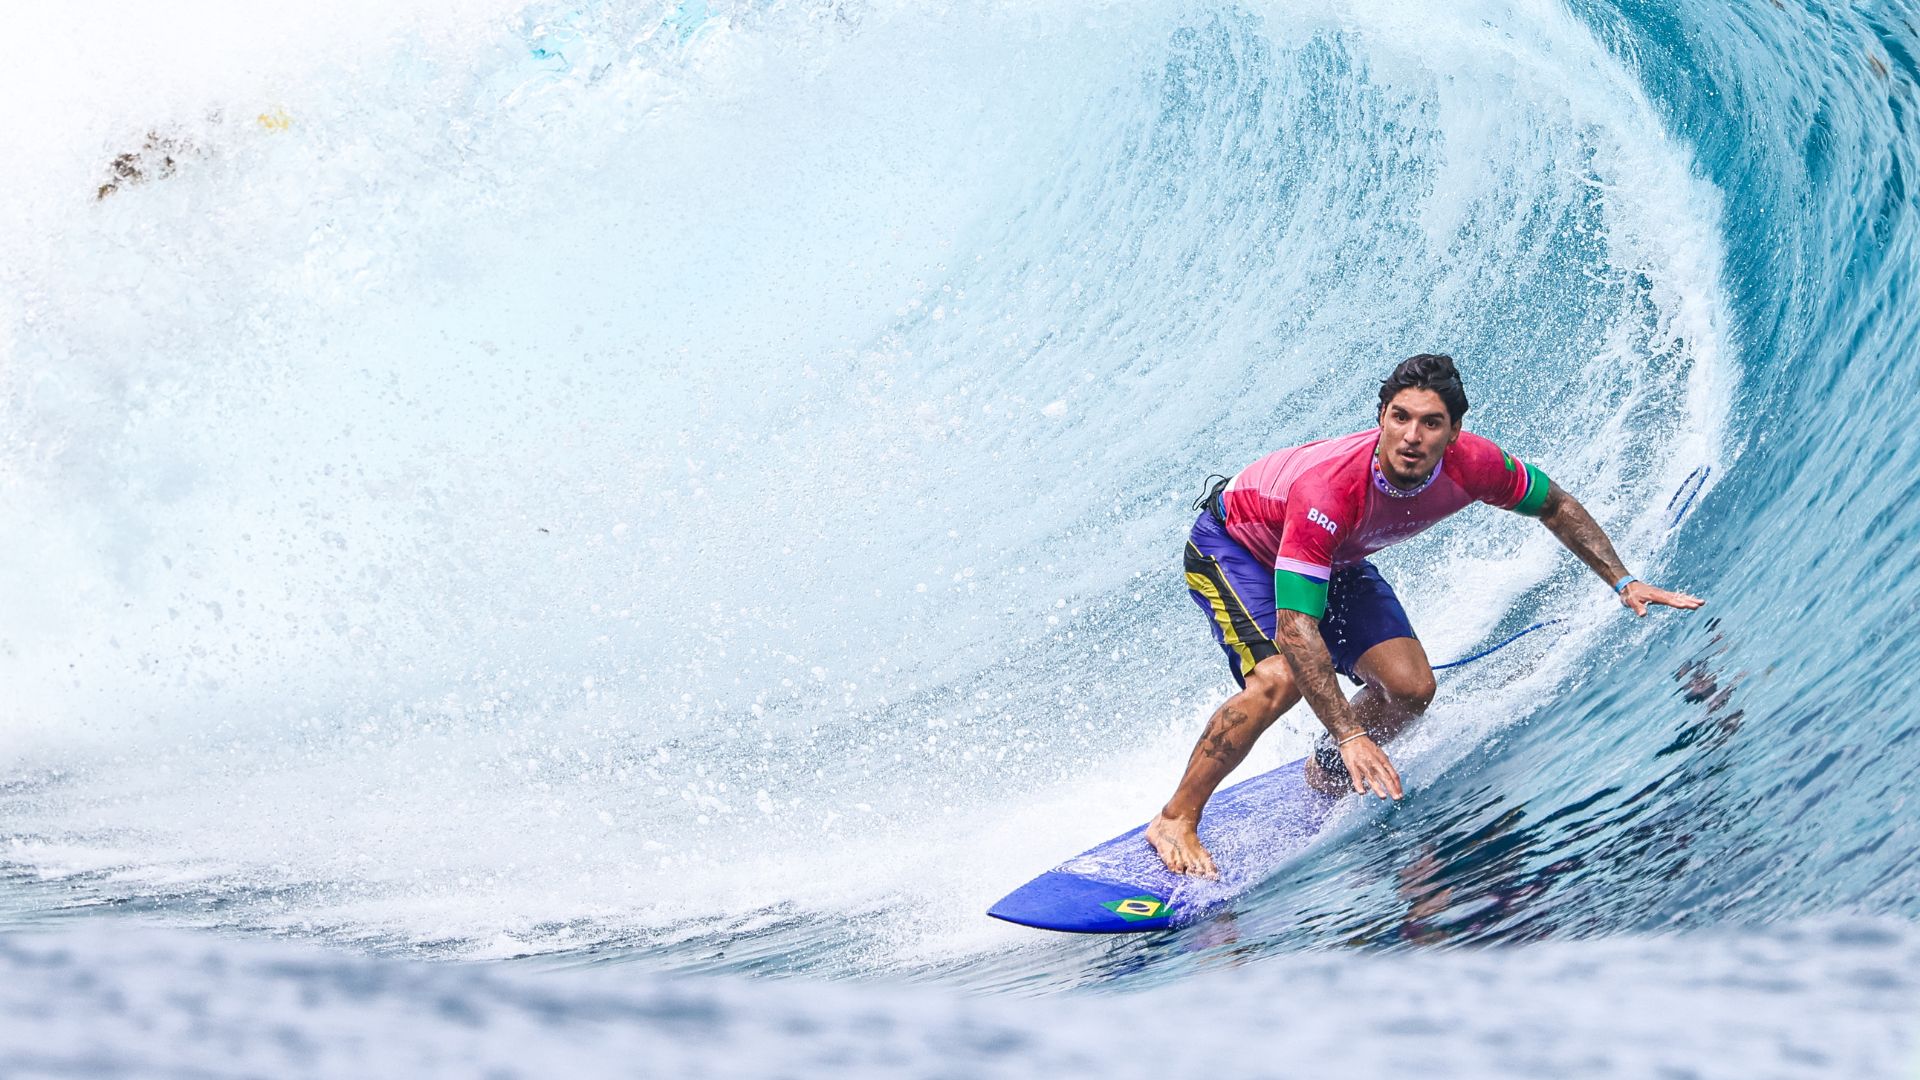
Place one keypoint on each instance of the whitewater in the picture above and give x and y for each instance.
(570, 508)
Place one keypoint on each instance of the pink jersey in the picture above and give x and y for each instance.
(1307, 509)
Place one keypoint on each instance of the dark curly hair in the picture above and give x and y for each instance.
(1428, 371)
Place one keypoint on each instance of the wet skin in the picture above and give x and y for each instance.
(1399, 686)
(1415, 432)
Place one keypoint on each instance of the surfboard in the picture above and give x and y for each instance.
(1121, 887)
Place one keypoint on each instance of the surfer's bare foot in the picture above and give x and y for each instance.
(1178, 842)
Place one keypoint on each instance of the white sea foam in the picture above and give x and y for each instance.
(733, 475)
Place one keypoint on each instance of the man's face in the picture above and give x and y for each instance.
(1414, 432)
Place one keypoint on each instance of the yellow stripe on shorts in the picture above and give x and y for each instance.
(1205, 586)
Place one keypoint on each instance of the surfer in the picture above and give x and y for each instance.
(1277, 560)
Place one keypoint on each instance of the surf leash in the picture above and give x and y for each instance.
(1491, 649)
(1689, 487)
(1682, 499)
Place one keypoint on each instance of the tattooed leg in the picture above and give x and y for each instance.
(1231, 732)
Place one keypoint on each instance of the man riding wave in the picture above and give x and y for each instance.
(1278, 562)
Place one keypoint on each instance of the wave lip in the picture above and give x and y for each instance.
(723, 492)
(539, 561)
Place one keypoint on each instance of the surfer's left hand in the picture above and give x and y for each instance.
(1639, 594)
(1370, 769)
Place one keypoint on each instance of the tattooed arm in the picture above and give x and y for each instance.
(1298, 636)
(1570, 523)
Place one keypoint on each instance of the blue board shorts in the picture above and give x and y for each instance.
(1235, 592)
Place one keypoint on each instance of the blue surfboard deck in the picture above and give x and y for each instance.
(1121, 887)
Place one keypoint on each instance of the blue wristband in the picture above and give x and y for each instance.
(1620, 587)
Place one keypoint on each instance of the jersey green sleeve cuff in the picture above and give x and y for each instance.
(1535, 499)
(1298, 592)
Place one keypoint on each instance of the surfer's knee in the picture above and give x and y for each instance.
(1412, 692)
(1270, 689)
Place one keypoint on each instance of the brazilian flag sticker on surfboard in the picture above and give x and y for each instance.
(1138, 908)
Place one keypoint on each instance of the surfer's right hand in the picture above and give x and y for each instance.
(1367, 764)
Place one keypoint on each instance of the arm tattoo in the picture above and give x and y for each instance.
(1299, 641)
(1570, 523)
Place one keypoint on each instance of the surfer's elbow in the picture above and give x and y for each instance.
(1554, 509)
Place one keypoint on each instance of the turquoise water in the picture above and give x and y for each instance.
(693, 489)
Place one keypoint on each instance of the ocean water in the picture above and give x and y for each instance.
(525, 520)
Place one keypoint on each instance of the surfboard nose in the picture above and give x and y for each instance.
(1085, 905)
